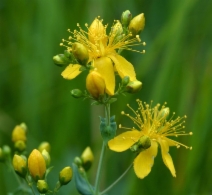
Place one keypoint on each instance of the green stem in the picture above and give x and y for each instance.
(107, 113)
(115, 182)
(30, 185)
(96, 189)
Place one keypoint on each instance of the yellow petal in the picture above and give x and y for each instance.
(124, 141)
(145, 160)
(167, 159)
(123, 67)
(104, 67)
(71, 71)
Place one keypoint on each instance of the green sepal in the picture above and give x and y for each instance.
(82, 184)
(82, 68)
(108, 132)
(95, 103)
(67, 54)
(48, 171)
(61, 60)
(112, 100)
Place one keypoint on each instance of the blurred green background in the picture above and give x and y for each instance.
(176, 68)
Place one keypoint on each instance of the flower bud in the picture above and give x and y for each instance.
(163, 113)
(23, 126)
(76, 93)
(42, 186)
(78, 161)
(116, 31)
(80, 53)
(95, 84)
(44, 146)
(125, 80)
(61, 60)
(19, 133)
(65, 175)
(137, 24)
(20, 165)
(87, 158)
(133, 86)
(20, 145)
(6, 151)
(46, 157)
(97, 32)
(126, 18)
(36, 165)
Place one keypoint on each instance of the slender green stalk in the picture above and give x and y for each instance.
(115, 182)
(107, 113)
(96, 189)
(30, 185)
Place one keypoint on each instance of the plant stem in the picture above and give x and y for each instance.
(96, 189)
(107, 113)
(30, 185)
(115, 182)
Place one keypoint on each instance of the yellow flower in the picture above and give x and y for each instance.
(36, 165)
(102, 50)
(153, 129)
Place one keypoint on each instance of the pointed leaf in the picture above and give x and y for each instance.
(82, 185)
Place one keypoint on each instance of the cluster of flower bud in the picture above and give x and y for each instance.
(86, 159)
(129, 86)
(77, 55)
(19, 137)
(37, 167)
(135, 25)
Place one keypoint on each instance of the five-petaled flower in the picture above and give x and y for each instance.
(103, 52)
(153, 130)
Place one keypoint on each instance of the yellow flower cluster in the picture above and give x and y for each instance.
(153, 129)
(101, 50)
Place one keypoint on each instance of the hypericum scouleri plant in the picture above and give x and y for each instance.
(99, 54)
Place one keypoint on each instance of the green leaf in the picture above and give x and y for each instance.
(82, 184)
